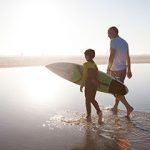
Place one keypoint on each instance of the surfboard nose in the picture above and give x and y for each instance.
(62, 69)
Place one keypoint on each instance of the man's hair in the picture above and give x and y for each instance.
(90, 53)
(114, 28)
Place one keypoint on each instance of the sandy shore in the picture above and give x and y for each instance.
(35, 115)
(16, 61)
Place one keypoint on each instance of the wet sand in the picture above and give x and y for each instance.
(31, 122)
(68, 130)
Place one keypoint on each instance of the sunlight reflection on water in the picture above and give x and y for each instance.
(40, 109)
(38, 87)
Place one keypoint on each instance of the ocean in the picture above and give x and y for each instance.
(42, 111)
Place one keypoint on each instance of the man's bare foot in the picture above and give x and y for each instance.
(129, 110)
(88, 119)
(128, 118)
(100, 118)
(114, 110)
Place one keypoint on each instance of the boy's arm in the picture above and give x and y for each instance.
(84, 77)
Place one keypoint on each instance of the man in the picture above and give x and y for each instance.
(119, 64)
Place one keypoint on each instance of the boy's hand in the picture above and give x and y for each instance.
(81, 89)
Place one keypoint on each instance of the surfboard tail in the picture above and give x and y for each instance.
(116, 87)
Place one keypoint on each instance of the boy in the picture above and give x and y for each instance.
(90, 81)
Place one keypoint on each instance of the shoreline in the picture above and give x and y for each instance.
(22, 61)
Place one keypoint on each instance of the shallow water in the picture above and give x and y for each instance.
(41, 111)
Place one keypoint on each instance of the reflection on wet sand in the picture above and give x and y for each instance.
(34, 114)
(93, 140)
(114, 134)
(117, 132)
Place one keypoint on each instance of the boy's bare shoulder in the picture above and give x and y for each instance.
(85, 64)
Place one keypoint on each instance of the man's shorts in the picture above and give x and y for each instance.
(120, 75)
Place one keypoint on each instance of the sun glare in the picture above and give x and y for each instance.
(42, 28)
(40, 85)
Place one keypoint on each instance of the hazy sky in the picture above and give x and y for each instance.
(71, 26)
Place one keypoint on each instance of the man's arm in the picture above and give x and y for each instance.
(111, 59)
(129, 73)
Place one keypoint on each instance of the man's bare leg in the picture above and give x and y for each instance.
(126, 104)
(115, 108)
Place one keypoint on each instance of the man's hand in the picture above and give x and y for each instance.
(108, 71)
(129, 74)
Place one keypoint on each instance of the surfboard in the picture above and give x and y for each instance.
(73, 73)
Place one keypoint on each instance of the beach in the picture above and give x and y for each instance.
(41, 111)
(21, 60)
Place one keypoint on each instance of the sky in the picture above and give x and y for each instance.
(69, 27)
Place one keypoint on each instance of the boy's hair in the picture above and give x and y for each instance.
(90, 53)
(114, 28)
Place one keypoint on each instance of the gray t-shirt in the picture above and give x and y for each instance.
(121, 49)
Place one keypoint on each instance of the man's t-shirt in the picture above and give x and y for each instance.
(121, 48)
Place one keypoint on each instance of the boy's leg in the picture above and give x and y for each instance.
(88, 107)
(88, 104)
(95, 104)
(99, 112)
(93, 101)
